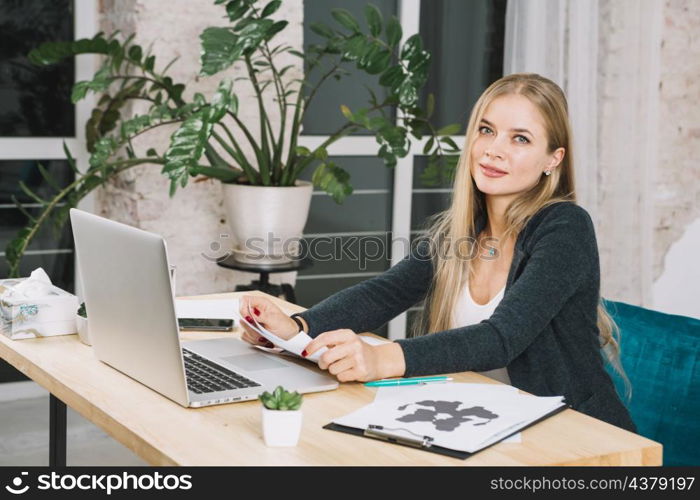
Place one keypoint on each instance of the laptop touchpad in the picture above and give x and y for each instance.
(253, 362)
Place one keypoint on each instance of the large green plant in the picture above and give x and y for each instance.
(210, 126)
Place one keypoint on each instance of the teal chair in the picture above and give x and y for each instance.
(661, 356)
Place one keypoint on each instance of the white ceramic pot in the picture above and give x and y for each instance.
(267, 222)
(82, 326)
(281, 428)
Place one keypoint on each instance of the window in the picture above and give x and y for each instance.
(466, 40)
(36, 117)
(49, 250)
(35, 101)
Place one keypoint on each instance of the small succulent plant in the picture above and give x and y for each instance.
(82, 311)
(281, 399)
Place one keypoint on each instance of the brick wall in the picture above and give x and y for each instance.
(645, 208)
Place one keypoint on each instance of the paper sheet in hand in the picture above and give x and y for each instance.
(295, 345)
(456, 416)
(282, 352)
(207, 308)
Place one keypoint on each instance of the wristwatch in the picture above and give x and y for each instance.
(298, 321)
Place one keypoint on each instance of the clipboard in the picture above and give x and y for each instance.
(400, 440)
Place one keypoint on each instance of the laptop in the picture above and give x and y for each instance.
(134, 328)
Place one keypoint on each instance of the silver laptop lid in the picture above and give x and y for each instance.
(133, 324)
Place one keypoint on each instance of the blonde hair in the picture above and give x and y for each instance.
(449, 230)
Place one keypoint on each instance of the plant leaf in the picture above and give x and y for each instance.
(99, 83)
(347, 113)
(393, 77)
(393, 31)
(302, 151)
(274, 29)
(70, 159)
(370, 49)
(407, 93)
(378, 62)
(450, 129)
(354, 48)
(412, 46)
(80, 90)
(321, 154)
(429, 145)
(221, 101)
(149, 63)
(448, 140)
(377, 122)
(104, 149)
(31, 194)
(333, 180)
(346, 19)
(220, 49)
(223, 174)
(236, 9)
(187, 146)
(53, 52)
(322, 30)
(47, 177)
(374, 19)
(430, 105)
(135, 53)
(271, 8)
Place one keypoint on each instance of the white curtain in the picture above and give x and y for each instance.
(558, 39)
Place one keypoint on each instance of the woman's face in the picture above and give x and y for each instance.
(511, 138)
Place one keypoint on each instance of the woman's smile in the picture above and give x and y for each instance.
(489, 171)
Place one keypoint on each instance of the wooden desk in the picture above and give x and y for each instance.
(163, 433)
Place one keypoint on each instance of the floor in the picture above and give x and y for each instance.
(24, 433)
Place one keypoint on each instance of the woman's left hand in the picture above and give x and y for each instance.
(351, 359)
(348, 358)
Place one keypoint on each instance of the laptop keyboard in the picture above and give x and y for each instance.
(205, 376)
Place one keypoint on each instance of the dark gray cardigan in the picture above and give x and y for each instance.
(543, 330)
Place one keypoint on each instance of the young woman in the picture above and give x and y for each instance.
(509, 274)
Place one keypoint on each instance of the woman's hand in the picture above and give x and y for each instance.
(269, 316)
(349, 358)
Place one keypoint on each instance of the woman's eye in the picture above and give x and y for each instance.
(485, 130)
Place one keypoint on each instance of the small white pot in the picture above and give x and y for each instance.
(281, 428)
(267, 222)
(83, 334)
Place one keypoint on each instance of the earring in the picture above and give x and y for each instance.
(547, 172)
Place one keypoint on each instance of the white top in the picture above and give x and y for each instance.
(467, 312)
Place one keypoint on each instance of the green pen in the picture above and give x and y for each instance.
(407, 381)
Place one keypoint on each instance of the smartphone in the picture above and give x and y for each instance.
(205, 324)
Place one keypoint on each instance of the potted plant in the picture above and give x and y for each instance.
(82, 324)
(281, 417)
(213, 142)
